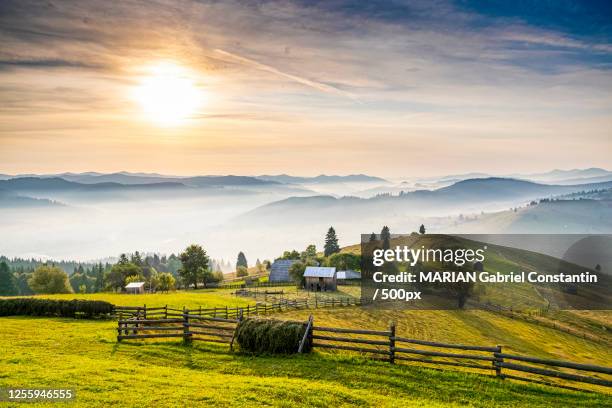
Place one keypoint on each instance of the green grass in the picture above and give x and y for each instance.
(177, 299)
(81, 354)
(473, 327)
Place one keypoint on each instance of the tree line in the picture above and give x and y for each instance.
(191, 268)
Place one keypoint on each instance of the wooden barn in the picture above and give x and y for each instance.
(320, 279)
(279, 272)
(135, 288)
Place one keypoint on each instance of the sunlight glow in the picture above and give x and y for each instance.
(168, 94)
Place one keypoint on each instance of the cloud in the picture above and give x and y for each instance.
(46, 64)
(319, 86)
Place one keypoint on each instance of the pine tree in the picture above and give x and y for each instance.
(422, 229)
(7, 281)
(241, 261)
(372, 237)
(385, 236)
(331, 242)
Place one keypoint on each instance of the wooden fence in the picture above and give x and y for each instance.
(232, 312)
(386, 345)
(186, 325)
(219, 324)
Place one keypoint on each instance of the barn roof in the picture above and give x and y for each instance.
(135, 285)
(319, 272)
(279, 271)
(348, 275)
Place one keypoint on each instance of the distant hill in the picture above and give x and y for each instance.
(59, 184)
(11, 200)
(563, 216)
(127, 178)
(473, 194)
(205, 181)
(593, 174)
(321, 179)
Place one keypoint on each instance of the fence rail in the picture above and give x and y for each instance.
(488, 358)
(232, 312)
(189, 327)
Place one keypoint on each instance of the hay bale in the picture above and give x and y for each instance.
(269, 336)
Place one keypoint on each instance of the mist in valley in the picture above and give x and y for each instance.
(94, 216)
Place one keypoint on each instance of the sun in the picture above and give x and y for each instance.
(168, 94)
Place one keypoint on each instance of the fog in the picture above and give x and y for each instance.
(90, 223)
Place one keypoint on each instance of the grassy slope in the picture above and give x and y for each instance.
(468, 327)
(191, 298)
(84, 355)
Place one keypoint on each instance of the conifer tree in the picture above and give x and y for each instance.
(331, 242)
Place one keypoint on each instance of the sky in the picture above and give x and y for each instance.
(397, 88)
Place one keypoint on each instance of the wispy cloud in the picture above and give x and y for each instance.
(319, 86)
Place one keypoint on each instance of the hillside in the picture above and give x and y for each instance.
(475, 194)
(59, 184)
(563, 216)
(55, 352)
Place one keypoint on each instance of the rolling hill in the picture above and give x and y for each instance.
(322, 179)
(466, 195)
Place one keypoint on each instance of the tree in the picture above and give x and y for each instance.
(209, 276)
(385, 236)
(290, 255)
(309, 253)
(372, 237)
(99, 276)
(49, 279)
(242, 271)
(123, 259)
(21, 280)
(119, 274)
(136, 259)
(8, 286)
(241, 261)
(166, 282)
(422, 229)
(331, 242)
(195, 265)
(345, 261)
(296, 272)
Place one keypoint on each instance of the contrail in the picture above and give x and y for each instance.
(304, 81)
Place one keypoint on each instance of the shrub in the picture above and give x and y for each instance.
(268, 336)
(58, 308)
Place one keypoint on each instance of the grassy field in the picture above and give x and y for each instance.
(177, 299)
(81, 354)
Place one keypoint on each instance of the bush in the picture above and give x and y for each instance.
(58, 308)
(268, 336)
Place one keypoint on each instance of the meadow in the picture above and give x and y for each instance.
(83, 354)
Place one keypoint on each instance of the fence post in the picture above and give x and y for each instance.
(226, 315)
(166, 312)
(307, 334)
(145, 312)
(392, 342)
(239, 317)
(498, 368)
(186, 334)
